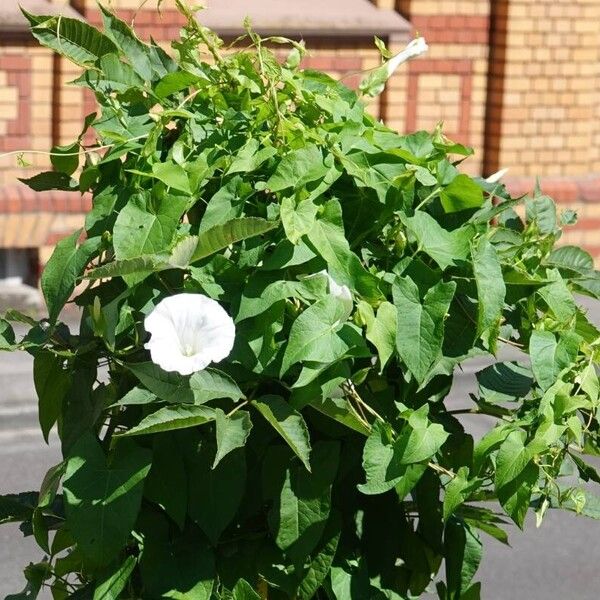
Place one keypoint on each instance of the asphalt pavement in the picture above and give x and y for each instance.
(556, 562)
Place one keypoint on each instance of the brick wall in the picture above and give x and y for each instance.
(543, 117)
(543, 104)
(25, 107)
(448, 84)
(37, 111)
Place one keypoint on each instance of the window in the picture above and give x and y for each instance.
(19, 265)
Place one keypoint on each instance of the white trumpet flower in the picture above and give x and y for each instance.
(188, 332)
(415, 48)
(496, 177)
(335, 289)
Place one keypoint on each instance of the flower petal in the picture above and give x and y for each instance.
(188, 332)
(414, 48)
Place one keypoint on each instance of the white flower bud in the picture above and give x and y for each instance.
(496, 177)
(415, 48)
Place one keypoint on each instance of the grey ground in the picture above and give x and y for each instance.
(556, 562)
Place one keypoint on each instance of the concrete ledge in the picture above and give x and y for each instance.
(309, 18)
(20, 296)
(13, 21)
(579, 188)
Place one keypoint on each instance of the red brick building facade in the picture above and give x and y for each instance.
(516, 79)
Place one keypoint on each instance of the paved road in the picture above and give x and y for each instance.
(556, 562)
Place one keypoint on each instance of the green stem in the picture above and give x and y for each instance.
(426, 200)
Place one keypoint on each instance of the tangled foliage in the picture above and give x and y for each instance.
(321, 458)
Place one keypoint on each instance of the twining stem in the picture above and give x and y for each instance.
(82, 151)
(240, 405)
(350, 390)
(511, 343)
(426, 200)
(263, 589)
(440, 469)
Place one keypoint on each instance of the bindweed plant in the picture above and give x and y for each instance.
(275, 292)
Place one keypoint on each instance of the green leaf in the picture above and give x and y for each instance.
(297, 217)
(382, 466)
(210, 384)
(445, 247)
(588, 380)
(485, 520)
(462, 194)
(168, 386)
(456, 492)
(232, 432)
(337, 409)
(174, 565)
(139, 266)
(137, 396)
(226, 204)
(571, 258)
(419, 439)
(298, 168)
(491, 291)
(313, 336)
(288, 423)
(420, 331)
(244, 591)
(515, 497)
(215, 493)
(146, 228)
(261, 293)
(75, 39)
(487, 444)
(172, 175)
(504, 382)
(378, 453)
(17, 507)
(463, 551)
(320, 565)
(220, 237)
(7, 335)
(580, 501)
(102, 499)
(423, 175)
(541, 210)
(36, 575)
(173, 417)
(118, 77)
(175, 82)
(120, 33)
(51, 384)
(167, 482)
(516, 474)
(381, 332)
(301, 510)
(513, 457)
(65, 158)
(549, 357)
(250, 157)
(114, 581)
(373, 83)
(542, 349)
(328, 239)
(558, 297)
(64, 268)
